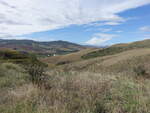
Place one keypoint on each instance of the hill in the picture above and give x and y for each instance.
(111, 63)
(113, 83)
(91, 55)
(18, 57)
(102, 60)
(41, 48)
(117, 49)
(66, 59)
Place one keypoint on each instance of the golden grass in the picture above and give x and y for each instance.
(84, 92)
(73, 57)
(117, 83)
(125, 56)
(103, 63)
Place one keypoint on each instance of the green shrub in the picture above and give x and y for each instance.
(140, 70)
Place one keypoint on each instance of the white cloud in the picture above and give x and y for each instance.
(18, 17)
(28, 38)
(105, 30)
(146, 36)
(16, 38)
(112, 23)
(145, 28)
(100, 38)
(119, 31)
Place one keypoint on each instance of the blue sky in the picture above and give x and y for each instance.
(125, 23)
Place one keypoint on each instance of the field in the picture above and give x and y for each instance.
(111, 83)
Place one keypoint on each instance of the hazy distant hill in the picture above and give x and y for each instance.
(41, 48)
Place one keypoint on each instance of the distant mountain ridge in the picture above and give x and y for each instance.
(41, 48)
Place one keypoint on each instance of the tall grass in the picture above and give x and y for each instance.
(12, 75)
(80, 92)
(123, 87)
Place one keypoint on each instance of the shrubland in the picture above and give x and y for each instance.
(77, 92)
(118, 83)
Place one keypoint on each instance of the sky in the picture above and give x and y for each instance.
(88, 22)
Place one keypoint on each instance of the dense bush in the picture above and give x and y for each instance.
(34, 67)
(37, 72)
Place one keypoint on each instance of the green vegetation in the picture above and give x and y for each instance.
(104, 52)
(41, 49)
(117, 49)
(29, 62)
(12, 75)
(16, 57)
(118, 82)
(82, 92)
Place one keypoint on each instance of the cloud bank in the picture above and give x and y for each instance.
(100, 38)
(18, 17)
(145, 28)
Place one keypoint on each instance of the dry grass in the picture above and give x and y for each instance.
(73, 57)
(79, 92)
(90, 86)
(107, 63)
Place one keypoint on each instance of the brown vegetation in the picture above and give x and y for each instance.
(118, 83)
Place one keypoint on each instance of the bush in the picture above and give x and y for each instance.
(140, 70)
(36, 70)
(37, 73)
(29, 62)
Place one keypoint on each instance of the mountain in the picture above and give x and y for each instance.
(41, 48)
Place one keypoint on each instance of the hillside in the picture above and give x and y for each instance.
(91, 54)
(69, 58)
(116, 83)
(118, 48)
(41, 48)
(105, 60)
(112, 63)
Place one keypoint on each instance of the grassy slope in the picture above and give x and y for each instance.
(73, 92)
(117, 49)
(120, 51)
(99, 63)
(69, 58)
(7, 55)
(74, 61)
(118, 83)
